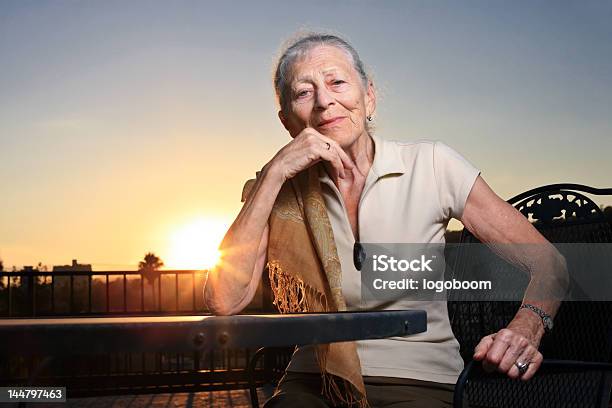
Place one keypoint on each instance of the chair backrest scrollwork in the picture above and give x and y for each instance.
(556, 203)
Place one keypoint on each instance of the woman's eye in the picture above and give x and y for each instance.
(302, 93)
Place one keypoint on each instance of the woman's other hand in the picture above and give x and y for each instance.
(306, 149)
(518, 343)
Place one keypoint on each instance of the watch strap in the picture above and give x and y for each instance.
(546, 318)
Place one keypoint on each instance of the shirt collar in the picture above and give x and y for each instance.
(387, 160)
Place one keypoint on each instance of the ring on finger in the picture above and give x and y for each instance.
(522, 366)
(328, 145)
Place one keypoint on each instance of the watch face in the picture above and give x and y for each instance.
(548, 323)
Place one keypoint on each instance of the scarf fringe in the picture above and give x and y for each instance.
(293, 295)
(338, 390)
(335, 389)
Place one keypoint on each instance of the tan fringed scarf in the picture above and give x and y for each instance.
(305, 275)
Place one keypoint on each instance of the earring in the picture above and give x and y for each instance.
(369, 118)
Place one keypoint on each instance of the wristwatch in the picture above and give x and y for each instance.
(546, 319)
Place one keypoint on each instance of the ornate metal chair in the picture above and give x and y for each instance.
(266, 368)
(576, 371)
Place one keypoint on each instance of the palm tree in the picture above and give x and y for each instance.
(149, 269)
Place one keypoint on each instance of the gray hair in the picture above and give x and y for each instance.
(298, 48)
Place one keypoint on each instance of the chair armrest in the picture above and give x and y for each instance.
(550, 365)
(281, 357)
(251, 376)
(460, 386)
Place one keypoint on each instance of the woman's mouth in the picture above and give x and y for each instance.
(331, 122)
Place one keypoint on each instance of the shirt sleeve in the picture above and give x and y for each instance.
(247, 189)
(455, 177)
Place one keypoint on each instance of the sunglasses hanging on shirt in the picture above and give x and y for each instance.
(359, 255)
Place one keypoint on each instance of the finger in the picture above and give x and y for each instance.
(517, 348)
(498, 348)
(317, 150)
(346, 160)
(483, 347)
(345, 163)
(528, 356)
(334, 160)
(536, 362)
(328, 150)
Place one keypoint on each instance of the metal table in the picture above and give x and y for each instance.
(100, 335)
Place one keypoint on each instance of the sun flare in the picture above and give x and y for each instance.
(195, 245)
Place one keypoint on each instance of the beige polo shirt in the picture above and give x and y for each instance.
(411, 192)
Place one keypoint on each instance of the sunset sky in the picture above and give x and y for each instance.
(128, 127)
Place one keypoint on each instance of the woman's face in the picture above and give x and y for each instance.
(327, 94)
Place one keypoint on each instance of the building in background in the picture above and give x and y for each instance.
(74, 267)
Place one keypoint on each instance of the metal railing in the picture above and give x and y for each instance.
(41, 294)
(82, 293)
(132, 373)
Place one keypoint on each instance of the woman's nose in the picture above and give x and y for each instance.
(323, 98)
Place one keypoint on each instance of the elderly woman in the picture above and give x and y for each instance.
(334, 184)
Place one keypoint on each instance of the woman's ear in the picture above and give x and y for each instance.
(370, 99)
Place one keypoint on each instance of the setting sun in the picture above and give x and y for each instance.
(195, 245)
